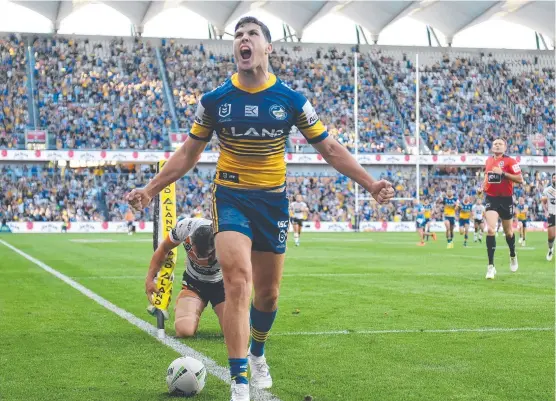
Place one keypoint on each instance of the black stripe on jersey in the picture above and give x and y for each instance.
(251, 146)
(252, 152)
(250, 140)
(207, 139)
(254, 146)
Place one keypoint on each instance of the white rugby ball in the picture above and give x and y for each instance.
(186, 377)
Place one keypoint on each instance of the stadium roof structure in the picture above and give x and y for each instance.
(450, 17)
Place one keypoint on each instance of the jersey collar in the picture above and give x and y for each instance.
(270, 82)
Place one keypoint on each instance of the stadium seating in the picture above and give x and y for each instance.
(462, 105)
(111, 93)
(44, 193)
(14, 114)
(100, 94)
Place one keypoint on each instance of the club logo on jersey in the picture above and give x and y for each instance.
(501, 164)
(224, 110)
(251, 111)
(278, 112)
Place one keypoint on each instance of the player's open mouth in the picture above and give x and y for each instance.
(245, 53)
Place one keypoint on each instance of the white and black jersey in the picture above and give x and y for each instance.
(298, 210)
(182, 234)
(550, 194)
(478, 212)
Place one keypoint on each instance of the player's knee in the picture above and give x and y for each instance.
(491, 230)
(186, 327)
(267, 301)
(237, 288)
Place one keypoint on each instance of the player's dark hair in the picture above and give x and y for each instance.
(253, 20)
(500, 139)
(203, 240)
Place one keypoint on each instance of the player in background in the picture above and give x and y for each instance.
(65, 221)
(549, 207)
(478, 211)
(464, 218)
(421, 222)
(427, 206)
(4, 228)
(129, 218)
(501, 172)
(521, 216)
(252, 113)
(298, 212)
(202, 279)
(450, 203)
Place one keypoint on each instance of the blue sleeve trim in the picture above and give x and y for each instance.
(319, 138)
(207, 139)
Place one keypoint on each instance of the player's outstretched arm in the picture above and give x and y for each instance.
(157, 260)
(340, 158)
(183, 160)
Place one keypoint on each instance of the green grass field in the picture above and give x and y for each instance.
(356, 322)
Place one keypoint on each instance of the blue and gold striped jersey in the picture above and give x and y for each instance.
(252, 126)
(465, 211)
(428, 210)
(521, 212)
(450, 207)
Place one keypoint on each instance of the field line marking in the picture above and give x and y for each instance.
(369, 274)
(212, 367)
(106, 240)
(413, 331)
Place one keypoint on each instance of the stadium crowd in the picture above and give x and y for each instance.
(48, 193)
(326, 79)
(14, 112)
(110, 94)
(100, 94)
(461, 108)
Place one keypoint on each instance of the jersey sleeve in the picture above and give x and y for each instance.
(513, 167)
(203, 125)
(181, 231)
(308, 121)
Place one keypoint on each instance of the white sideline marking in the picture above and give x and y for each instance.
(478, 330)
(106, 240)
(212, 367)
(336, 240)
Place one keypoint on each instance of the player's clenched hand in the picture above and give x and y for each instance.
(497, 170)
(138, 198)
(150, 288)
(382, 191)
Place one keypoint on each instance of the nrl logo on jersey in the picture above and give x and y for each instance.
(224, 110)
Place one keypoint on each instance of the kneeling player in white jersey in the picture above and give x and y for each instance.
(478, 211)
(549, 207)
(298, 212)
(202, 278)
